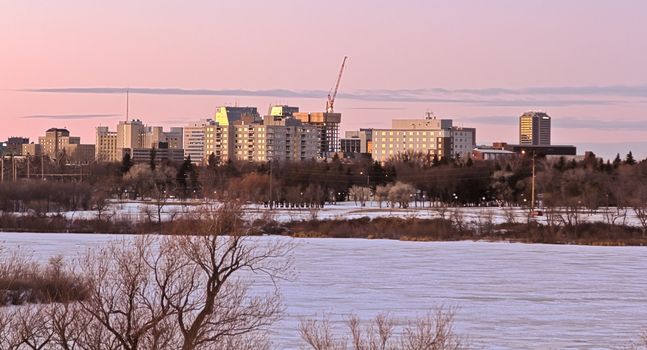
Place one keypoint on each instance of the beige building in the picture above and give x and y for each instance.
(57, 143)
(273, 138)
(134, 135)
(428, 136)
(106, 145)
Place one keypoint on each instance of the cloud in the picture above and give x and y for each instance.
(69, 116)
(482, 97)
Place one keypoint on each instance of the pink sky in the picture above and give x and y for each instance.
(467, 48)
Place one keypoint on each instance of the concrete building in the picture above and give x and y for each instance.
(194, 140)
(534, 128)
(58, 143)
(328, 126)
(277, 137)
(32, 149)
(226, 115)
(106, 145)
(130, 134)
(282, 111)
(356, 142)
(428, 136)
(161, 151)
(134, 135)
(13, 146)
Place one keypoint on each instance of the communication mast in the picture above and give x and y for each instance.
(332, 94)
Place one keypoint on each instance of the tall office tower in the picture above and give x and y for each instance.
(534, 128)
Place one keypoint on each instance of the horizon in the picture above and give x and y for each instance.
(482, 65)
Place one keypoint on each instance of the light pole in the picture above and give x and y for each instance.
(532, 187)
(368, 178)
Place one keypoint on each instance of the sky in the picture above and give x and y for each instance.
(67, 63)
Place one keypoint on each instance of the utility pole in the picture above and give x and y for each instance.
(28, 169)
(42, 166)
(2, 169)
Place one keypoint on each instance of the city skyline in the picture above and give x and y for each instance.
(480, 64)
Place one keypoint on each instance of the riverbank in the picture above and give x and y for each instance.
(453, 228)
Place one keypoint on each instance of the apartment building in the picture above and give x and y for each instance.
(328, 129)
(249, 138)
(194, 137)
(427, 136)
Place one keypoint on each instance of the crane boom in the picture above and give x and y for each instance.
(331, 98)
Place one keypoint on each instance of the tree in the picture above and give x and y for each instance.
(629, 160)
(433, 331)
(126, 164)
(617, 161)
(401, 193)
(171, 292)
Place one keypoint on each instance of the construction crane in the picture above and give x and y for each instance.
(332, 94)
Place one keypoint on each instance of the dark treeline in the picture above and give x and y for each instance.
(590, 183)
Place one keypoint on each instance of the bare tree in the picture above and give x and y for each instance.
(433, 331)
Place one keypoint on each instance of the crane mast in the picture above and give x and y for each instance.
(331, 95)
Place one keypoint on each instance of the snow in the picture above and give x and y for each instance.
(510, 296)
(135, 211)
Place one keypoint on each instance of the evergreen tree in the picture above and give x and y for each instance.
(212, 162)
(617, 161)
(126, 163)
(153, 155)
(629, 160)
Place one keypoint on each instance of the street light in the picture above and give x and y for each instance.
(532, 191)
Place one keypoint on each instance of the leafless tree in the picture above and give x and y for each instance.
(361, 194)
(433, 331)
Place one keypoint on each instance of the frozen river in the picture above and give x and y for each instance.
(510, 296)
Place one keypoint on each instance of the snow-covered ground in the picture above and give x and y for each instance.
(137, 211)
(510, 296)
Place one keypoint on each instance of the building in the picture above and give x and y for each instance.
(534, 128)
(58, 144)
(428, 136)
(134, 135)
(490, 153)
(543, 150)
(274, 137)
(161, 152)
(328, 129)
(356, 142)
(32, 149)
(130, 135)
(106, 145)
(194, 140)
(13, 146)
(282, 111)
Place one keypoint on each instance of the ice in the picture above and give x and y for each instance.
(510, 296)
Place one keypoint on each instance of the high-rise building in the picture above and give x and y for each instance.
(328, 126)
(534, 128)
(194, 140)
(272, 138)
